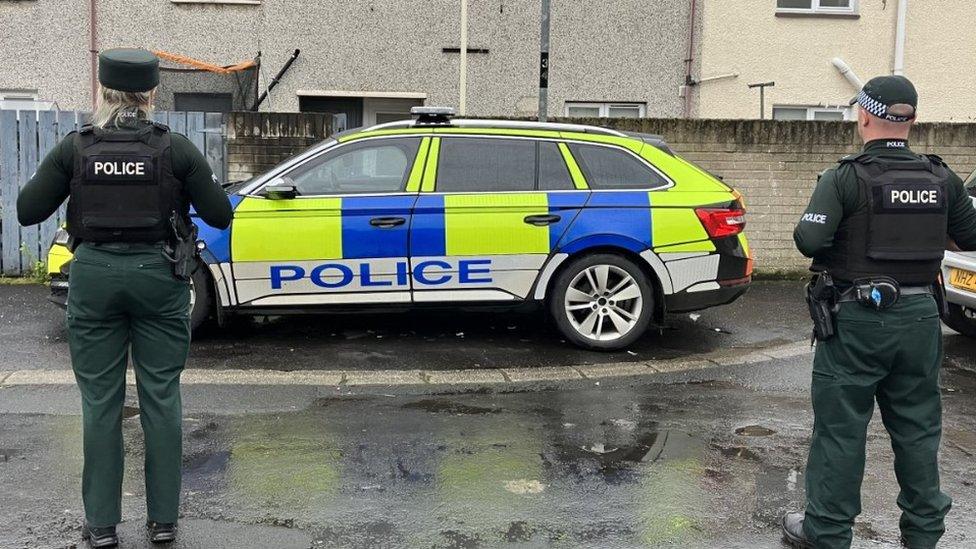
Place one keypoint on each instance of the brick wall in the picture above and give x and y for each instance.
(773, 164)
(257, 142)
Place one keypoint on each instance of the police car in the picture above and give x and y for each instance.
(959, 274)
(608, 230)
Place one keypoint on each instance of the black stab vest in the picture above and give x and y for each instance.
(900, 229)
(123, 189)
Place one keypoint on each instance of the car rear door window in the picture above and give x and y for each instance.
(500, 165)
(478, 165)
(613, 168)
(375, 166)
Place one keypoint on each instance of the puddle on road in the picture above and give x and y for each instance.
(489, 470)
(202, 471)
(755, 431)
(449, 407)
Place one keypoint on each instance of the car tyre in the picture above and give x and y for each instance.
(602, 302)
(201, 297)
(961, 319)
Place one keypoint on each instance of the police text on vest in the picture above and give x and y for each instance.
(915, 197)
(120, 168)
(820, 219)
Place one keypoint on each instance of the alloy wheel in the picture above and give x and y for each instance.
(603, 302)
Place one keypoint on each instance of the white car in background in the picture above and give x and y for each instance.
(959, 273)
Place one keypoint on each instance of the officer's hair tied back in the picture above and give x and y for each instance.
(112, 104)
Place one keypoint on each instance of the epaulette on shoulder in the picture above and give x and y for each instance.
(861, 158)
(161, 126)
(86, 129)
(937, 160)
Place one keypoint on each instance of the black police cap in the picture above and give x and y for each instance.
(128, 69)
(883, 92)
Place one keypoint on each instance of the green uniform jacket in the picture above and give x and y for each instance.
(49, 187)
(837, 196)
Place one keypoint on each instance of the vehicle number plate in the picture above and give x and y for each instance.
(962, 279)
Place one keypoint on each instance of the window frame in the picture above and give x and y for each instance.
(817, 9)
(604, 107)
(811, 112)
(538, 141)
(301, 161)
(231, 2)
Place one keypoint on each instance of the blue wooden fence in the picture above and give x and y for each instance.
(25, 139)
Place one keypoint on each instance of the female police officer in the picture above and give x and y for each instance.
(126, 180)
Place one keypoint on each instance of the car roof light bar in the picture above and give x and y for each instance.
(431, 116)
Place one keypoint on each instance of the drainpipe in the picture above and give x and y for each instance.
(900, 38)
(93, 50)
(463, 80)
(847, 73)
(690, 61)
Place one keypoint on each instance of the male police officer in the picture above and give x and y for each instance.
(128, 182)
(877, 225)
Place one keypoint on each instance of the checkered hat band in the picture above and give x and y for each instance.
(878, 108)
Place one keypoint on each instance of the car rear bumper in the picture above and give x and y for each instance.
(683, 302)
(59, 291)
(966, 261)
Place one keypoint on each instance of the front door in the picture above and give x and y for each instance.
(492, 210)
(342, 239)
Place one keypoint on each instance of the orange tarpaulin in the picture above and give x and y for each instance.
(203, 65)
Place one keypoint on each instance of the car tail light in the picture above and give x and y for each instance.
(722, 222)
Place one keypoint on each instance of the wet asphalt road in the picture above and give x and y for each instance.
(704, 459)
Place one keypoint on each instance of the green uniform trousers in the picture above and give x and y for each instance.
(894, 357)
(124, 298)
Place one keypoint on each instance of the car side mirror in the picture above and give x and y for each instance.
(280, 192)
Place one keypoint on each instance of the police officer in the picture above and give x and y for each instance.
(127, 182)
(878, 225)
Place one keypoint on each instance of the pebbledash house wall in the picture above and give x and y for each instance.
(612, 51)
(773, 164)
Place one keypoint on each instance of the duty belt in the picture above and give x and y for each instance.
(850, 294)
(125, 245)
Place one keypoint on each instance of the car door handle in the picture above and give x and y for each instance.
(542, 220)
(387, 222)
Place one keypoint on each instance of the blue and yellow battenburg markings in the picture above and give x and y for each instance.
(442, 226)
(446, 231)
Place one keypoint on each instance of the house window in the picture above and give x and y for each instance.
(579, 109)
(203, 102)
(817, 6)
(794, 112)
(23, 100)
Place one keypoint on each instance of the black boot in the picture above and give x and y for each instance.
(100, 537)
(161, 532)
(908, 544)
(793, 531)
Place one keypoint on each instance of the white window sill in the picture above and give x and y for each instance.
(241, 2)
(817, 13)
